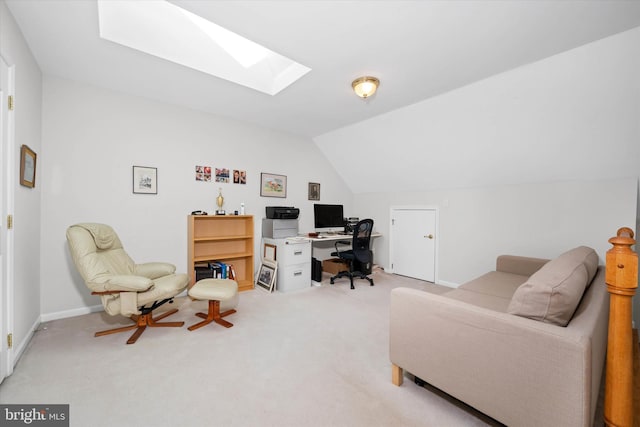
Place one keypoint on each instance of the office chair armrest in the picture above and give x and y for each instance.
(153, 270)
(123, 283)
(341, 242)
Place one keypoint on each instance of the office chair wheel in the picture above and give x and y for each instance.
(331, 280)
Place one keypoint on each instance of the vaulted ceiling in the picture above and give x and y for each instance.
(418, 49)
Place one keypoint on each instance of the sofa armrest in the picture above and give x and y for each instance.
(503, 365)
(524, 266)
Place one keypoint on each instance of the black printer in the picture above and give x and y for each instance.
(282, 212)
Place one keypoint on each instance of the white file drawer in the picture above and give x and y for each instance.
(294, 277)
(294, 253)
(294, 263)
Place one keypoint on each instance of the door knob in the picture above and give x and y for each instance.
(429, 236)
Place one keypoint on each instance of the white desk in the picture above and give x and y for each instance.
(330, 237)
(325, 243)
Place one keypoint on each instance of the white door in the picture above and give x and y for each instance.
(413, 242)
(6, 206)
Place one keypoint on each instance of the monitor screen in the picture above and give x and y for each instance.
(328, 216)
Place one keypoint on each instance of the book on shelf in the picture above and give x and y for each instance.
(214, 270)
(216, 267)
(232, 272)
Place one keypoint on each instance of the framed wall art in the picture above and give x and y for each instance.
(266, 278)
(27, 167)
(314, 191)
(145, 180)
(239, 177)
(272, 185)
(222, 175)
(269, 252)
(203, 173)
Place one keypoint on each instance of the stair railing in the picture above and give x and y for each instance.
(622, 280)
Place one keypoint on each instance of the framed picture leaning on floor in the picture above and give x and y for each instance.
(266, 278)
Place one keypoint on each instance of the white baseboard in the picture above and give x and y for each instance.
(19, 350)
(449, 284)
(47, 317)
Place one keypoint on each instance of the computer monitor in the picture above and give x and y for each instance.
(328, 216)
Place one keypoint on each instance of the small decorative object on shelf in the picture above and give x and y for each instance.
(220, 202)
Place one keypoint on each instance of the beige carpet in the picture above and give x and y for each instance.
(315, 357)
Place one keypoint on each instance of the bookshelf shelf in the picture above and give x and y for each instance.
(228, 239)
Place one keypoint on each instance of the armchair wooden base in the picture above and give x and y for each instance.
(213, 315)
(142, 321)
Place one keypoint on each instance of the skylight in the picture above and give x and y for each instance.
(169, 32)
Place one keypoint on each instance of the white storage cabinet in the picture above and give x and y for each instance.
(293, 256)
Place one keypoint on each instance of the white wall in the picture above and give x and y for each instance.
(570, 116)
(539, 220)
(27, 115)
(93, 137)
(532, 161)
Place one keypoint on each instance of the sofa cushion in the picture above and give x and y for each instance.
(495, 283)
(490, 302)
(587, 256)
(492, 290)
(521, 265)
(552, 294)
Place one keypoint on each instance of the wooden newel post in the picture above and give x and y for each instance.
(622, 280)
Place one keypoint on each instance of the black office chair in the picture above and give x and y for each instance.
(359, 257)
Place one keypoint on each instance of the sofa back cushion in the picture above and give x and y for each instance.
(552, 294)
(588, 257)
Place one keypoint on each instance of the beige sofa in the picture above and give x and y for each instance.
(493, 344)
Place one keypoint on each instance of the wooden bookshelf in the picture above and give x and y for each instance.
(225, 238)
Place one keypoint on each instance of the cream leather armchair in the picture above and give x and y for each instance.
(126, 288)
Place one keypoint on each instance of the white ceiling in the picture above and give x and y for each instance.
(418, 49)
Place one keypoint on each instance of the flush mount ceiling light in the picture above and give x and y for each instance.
(169, 32)
(366, 86)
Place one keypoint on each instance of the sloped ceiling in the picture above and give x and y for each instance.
(572, 116)
(418, 49)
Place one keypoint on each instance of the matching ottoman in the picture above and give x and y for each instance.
(215, 291)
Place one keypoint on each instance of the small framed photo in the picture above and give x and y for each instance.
(314, 191)
(222, 175)
(266, 278)
(269, 252)
(145, 180)
(27, 167)
(272, 185)
(203, 173)
(239, 177)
